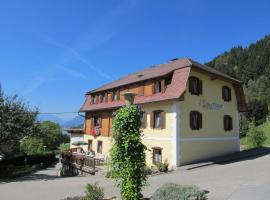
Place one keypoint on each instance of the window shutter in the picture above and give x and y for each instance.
(90, 99)
(200, 120)
(100, 121)
(231, 123)
(141, 90)
(163, 120)
(144, 120)
(191, 124)
(230, 94)
(190, 81)
(227, 123)
(200, 89)
(153, 88)
(118, 94)
(92, 122)
(163, 85)
(223, 93)
(106, 97)
(152, 120)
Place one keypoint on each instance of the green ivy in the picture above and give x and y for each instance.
(128, 153)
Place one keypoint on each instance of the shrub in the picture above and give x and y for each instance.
(147, 170)
(162, 167)
(174, 191)
(94, 192)
(16, 161)
(257, 110)
(244, 123)
(64, 146)
(127, 163)
(45, 158)
(255, 137)
(32, 145)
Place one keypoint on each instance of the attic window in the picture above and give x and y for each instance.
(159, 86)
(195, 85)
(140, 75)
(94, 101)
(174, 59)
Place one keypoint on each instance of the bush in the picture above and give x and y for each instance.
(94, 192)
(64, 146)
(162, 167)
(32, 145)
(244, 123)
(174, 191)
(16, 161)
(45, 158)
(147, 170)
(255, 138)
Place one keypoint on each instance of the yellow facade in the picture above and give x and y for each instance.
(179, 143)
(212, 140)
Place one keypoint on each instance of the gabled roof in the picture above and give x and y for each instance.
(180, 69)
(159, 71)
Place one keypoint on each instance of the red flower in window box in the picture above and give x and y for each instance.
(95, 131)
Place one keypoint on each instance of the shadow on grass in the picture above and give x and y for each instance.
(233, 157)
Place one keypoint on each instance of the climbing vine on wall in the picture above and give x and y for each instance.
(128, 153)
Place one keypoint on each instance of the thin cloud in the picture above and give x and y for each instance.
(102, 31)
(72, 72)
(79, 57)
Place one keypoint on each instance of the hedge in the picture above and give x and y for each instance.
(45, 158)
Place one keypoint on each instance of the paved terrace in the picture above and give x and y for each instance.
(247, 179)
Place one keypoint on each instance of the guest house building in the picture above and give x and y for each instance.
(190, 112)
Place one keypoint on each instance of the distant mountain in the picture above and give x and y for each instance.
(75, 122)
(64, 123)
(52, 118)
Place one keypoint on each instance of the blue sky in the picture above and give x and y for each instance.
(52, 52)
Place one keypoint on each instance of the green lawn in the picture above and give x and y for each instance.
(266, 129)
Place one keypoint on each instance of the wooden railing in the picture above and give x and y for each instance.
(80, 162)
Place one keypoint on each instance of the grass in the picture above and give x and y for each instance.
(266, 129)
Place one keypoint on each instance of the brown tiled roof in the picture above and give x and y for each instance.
(180, 69)
(173, 91)
(158, 71)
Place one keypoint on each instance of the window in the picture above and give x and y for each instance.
(226, 93)
(95, 99)
(195, 85)
(227, 122)
(143, 120)
(116, 95)
(99, 147)
(90, 145)
(195, 120)
(157, 155)
(158, 119)
(97, 121)
(159, 86)
(101, 98)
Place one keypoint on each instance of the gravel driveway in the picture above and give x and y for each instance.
(248, 179)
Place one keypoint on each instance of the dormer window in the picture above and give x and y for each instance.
(116, 95)
(95, 97)
(226, 93)
(101, 98)
(195, 85)
(159, 86)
